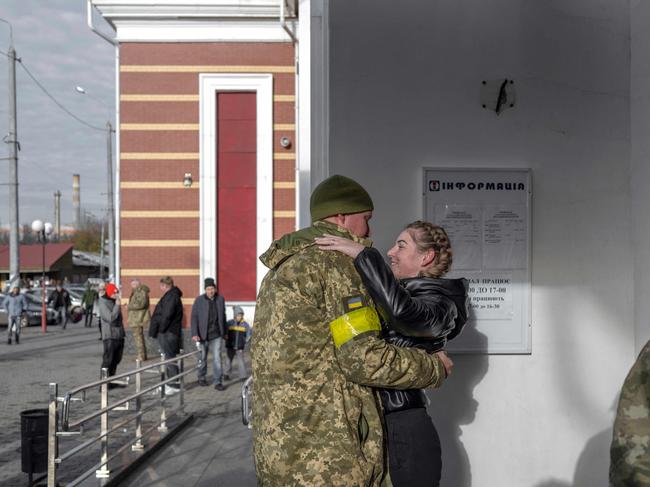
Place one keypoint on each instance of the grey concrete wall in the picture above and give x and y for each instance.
(404, 94)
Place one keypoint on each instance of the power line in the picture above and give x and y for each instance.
(56, 101)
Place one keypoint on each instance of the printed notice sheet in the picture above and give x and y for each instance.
(486, 214)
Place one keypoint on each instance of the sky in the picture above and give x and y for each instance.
(55, 44)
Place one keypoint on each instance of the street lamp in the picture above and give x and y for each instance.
(43, 230)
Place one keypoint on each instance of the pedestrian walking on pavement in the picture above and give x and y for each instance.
(15, 305)
(60, 300)
(112, 328)
(139, 316)
(165, 325)
(208, 332)
(239, 333)
(88, 303)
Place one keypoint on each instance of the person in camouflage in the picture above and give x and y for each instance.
(316, 356)
(630, 450)
(139, 316)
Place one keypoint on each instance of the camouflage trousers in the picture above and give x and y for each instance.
(138, 339)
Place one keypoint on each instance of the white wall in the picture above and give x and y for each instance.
(640, 170)
(404, 93)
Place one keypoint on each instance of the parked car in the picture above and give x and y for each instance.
(34, 311)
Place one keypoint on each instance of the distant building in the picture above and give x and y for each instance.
(207, 137)
(60, 262)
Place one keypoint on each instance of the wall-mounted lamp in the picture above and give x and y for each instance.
(285, 142)
(187, 180)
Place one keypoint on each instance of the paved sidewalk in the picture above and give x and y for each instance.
(214, 450)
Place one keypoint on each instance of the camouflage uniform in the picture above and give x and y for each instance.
(630, 452)
(316, 421)
(139, 317)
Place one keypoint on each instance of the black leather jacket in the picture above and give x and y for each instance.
(420, 312)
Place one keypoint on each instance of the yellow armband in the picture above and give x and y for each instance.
(346, 327)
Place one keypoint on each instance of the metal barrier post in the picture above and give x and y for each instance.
(52, 439)
(104, 472)
(163, 413)
(138, 445)
(181, 369)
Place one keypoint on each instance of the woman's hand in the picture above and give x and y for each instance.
(446, 362)
(343, 245)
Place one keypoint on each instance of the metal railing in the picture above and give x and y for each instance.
(246, 400)
(60, 425)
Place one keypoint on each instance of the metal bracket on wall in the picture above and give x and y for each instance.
(498, 95)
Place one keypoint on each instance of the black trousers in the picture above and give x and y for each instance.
(113, 349)
(170, 346)
(414, 454)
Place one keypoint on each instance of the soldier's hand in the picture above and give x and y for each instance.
(446, 361)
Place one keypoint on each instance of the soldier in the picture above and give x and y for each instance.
(630, 451)
(316, 355)
(139, 316)
(88, 303)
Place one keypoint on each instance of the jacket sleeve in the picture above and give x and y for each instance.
(221, 310)
(68, 302)
(194, 320)
(427, 317)
(371, 361)
(154, 324)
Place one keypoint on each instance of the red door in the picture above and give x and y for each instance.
(236, 195)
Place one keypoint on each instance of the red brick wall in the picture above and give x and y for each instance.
(159, 80)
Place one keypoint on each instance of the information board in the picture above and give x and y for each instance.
(487, 215)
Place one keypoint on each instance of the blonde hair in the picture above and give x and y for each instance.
(428, 236)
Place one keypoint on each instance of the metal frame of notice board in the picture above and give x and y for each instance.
(487, 215)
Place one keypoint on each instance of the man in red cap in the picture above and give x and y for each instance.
(112, 328)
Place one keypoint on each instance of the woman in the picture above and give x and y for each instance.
(419, 309)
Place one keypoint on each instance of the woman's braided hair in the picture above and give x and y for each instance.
(428, 236)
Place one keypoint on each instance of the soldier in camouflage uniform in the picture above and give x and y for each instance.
(139, 316)
(630, 452)
(316, 354)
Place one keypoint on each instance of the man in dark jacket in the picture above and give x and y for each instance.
(208, 331)
(166, 326)
(60, 300)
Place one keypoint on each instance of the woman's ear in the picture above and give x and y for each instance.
(428, 257)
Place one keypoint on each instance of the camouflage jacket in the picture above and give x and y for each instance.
(138, 307)
(630, 452)
(316, 418)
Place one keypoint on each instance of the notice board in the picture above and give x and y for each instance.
(487, 215)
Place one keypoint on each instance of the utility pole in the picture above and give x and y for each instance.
(12, 140)
(101, 253)
(111, 208)
(57, 213)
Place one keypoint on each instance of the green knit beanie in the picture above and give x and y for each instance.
(338, 195)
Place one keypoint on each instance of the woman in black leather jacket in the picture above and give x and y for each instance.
(419, 309)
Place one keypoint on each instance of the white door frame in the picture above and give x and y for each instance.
(210, 85)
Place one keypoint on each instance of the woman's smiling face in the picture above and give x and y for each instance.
(405, 258)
